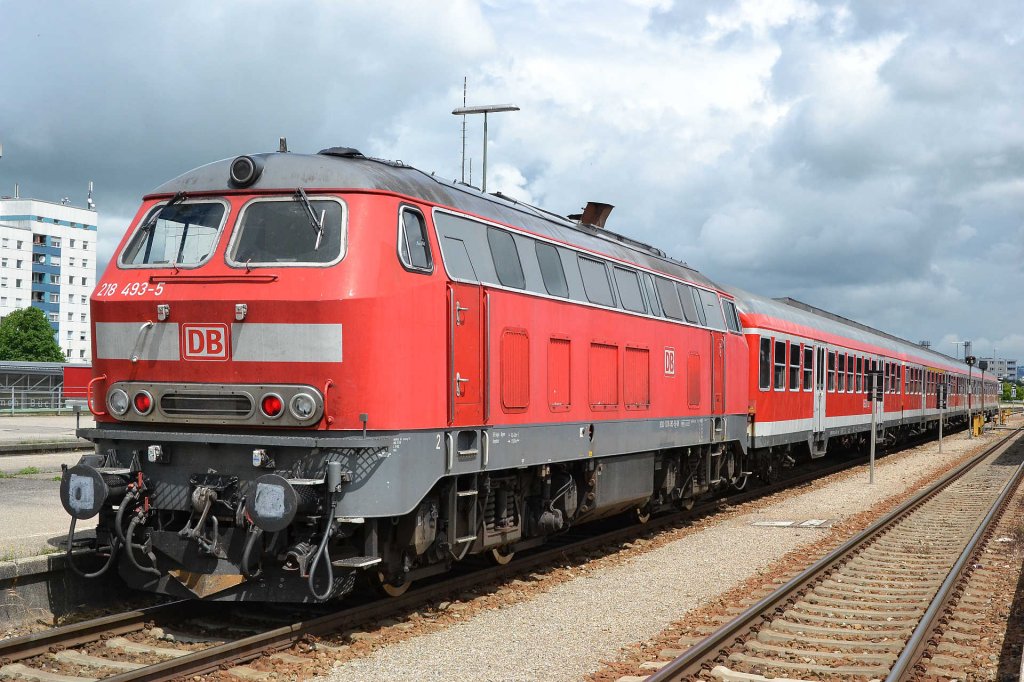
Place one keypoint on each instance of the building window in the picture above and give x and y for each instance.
(53, 316)
(81, 353)
(71, 243)
(54, 298)
(85, 262)
(20, 244)
(85, 244)
(55, 241)
(71, 317)
(20, 263)
(81, 336)
(71, 335)
(85, 282)
(3, 300)
(54, 260)
(3, 281)
(84, 299)
(83, 317)
(71, 261)
(3, 261)
(71, 298)
(38, 239)
(6, 242)
(71, 279)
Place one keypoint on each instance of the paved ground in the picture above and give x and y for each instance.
(27, 428)
(32, 520)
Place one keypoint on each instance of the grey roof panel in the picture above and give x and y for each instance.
(286, 171)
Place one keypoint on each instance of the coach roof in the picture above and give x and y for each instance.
(344, 168)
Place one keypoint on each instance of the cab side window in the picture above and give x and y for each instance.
(413, 245)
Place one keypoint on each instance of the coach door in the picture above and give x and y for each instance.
(819, 390)
(718, 383)
(465, 354)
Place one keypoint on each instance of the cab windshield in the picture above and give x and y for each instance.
(280, 232)
(175, 235)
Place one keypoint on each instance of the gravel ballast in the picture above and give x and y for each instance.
(566, 632)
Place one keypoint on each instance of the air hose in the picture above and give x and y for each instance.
(114, 546)
(247, 553)
(322, 552)
(132, 547)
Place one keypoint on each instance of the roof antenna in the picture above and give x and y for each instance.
(282, 145)
(89, 203)
(464, 135)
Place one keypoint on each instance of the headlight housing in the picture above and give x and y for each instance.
(117, 401)
(303, 406)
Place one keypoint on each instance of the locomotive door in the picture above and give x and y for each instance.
(465, 354)
(819, 391)
(718, 383)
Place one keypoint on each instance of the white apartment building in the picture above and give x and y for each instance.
(48, 260)
(1001, 367)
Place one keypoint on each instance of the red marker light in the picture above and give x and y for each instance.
(271, 405)
(143, 403)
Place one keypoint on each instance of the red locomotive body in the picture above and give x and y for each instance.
(312, 366)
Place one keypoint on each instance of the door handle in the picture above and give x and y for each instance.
(459, 309)
(458, 384)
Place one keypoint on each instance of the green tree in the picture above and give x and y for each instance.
(26, 336)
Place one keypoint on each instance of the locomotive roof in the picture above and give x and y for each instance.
(343, 168)
(807, 315)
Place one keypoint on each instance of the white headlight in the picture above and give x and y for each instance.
(303, 406)
(118, 402)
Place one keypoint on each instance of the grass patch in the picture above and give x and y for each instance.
(28, 471)
(4, 474)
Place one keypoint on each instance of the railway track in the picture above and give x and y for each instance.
(893, 603)
(179, 639)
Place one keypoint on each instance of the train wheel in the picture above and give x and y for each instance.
(392, 588)
(501, 555)
(642, 514)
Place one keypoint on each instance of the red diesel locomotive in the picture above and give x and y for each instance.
(311, 366)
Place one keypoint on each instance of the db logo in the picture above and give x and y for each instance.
(670, 361)
(204, 341)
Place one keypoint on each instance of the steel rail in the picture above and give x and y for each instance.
(692, 660)
(253, 646)
(918, 642)
(27, 646)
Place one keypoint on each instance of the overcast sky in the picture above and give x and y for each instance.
(864, 157)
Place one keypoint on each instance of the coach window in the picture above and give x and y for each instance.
(699, 305)
(808, 362)
(841, 373)
(669, 298)
(860, 373)
(175, 235)
(413, 245)
(831, 371)
(691, 310)
(551, 270)
(731, 318)
(506, 258)
(849, 373)
(628, 284)
(272, 232)
(794, 366)
(595, 281)
(765, 364)
(712, 309)
(652, 295)
(780, 365)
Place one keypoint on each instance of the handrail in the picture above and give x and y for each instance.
(88, 395)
